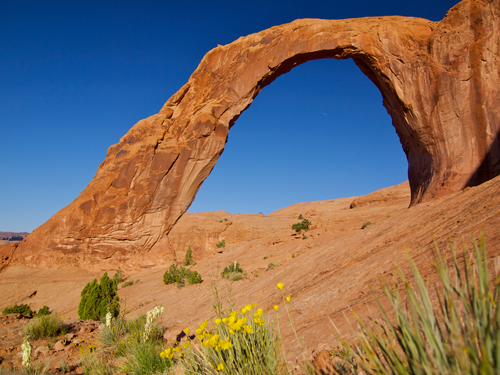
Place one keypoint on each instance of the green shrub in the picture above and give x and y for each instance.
(300, 217)
(189, 261)
(19, 309)
(221, 244)
(99, 298)
(365, 224)
(119, 276)
(302, 226)
(43, 327)
(458, 334)
(43, 311)
(233, 272)
(179, 275)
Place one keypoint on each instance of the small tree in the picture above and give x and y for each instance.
(189, 257)
(303, 225)
(99, 299)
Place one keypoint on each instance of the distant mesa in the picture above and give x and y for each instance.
(13, 236)
(439, 81)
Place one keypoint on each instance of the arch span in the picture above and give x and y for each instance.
(439, 83)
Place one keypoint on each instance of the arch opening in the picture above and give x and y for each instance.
(318, 132)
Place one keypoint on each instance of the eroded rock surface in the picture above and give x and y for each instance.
(439, 82)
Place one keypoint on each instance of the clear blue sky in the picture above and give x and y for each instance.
(76, 75)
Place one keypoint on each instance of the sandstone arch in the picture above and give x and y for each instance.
(439, 82)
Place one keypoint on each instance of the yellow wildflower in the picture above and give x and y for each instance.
(226, 344)
(186, 331)
(220, 366)
(224, 320)
(200, 337)
(176, 349)
(167, 353)
(231, 332)
(280, 286)
(186, 344)
(276, 307)
(258, 313)
(248, 329)
(218, 321)
(202, 325)
(288, 298)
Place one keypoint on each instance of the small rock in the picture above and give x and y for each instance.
(85, 329)
(43, 350)
(60, 345)
(69, 336)
(79, 371)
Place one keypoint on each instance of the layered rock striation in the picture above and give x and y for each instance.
(439, 82)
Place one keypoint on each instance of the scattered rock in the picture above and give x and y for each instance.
(60, 345)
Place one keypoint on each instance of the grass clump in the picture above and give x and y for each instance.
(43, 327)
(458, 334)
(181, 275)
(365, 224)
(127, 283)
(99, 298)
(233, 272)
(221, 244)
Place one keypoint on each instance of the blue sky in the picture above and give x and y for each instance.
(76, 75)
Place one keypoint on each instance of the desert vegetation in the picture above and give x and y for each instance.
(446, 327)
(181, 275)
(233, 272)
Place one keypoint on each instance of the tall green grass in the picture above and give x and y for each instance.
(455, 332)
(44, 326)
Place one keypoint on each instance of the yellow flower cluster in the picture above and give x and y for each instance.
(235, 326)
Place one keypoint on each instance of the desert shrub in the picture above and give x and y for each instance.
(179, 275)
(300, 217)
(96, 364)
(272, 265)
(19, 309)
(143, 359)
(221, 244)
(189, 261)
(111, 336)
(302, 226)
(99, 298)
(365, 224)
(458, 334)
(233, 272)
(119, 276)
(43, 327)
(43, 311)
(127, 283)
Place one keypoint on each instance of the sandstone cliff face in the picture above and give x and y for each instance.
(439, 81)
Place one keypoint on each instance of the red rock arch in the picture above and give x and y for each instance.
(439, 82)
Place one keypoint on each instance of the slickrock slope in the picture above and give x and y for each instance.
(328, 274)
(439, 81)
